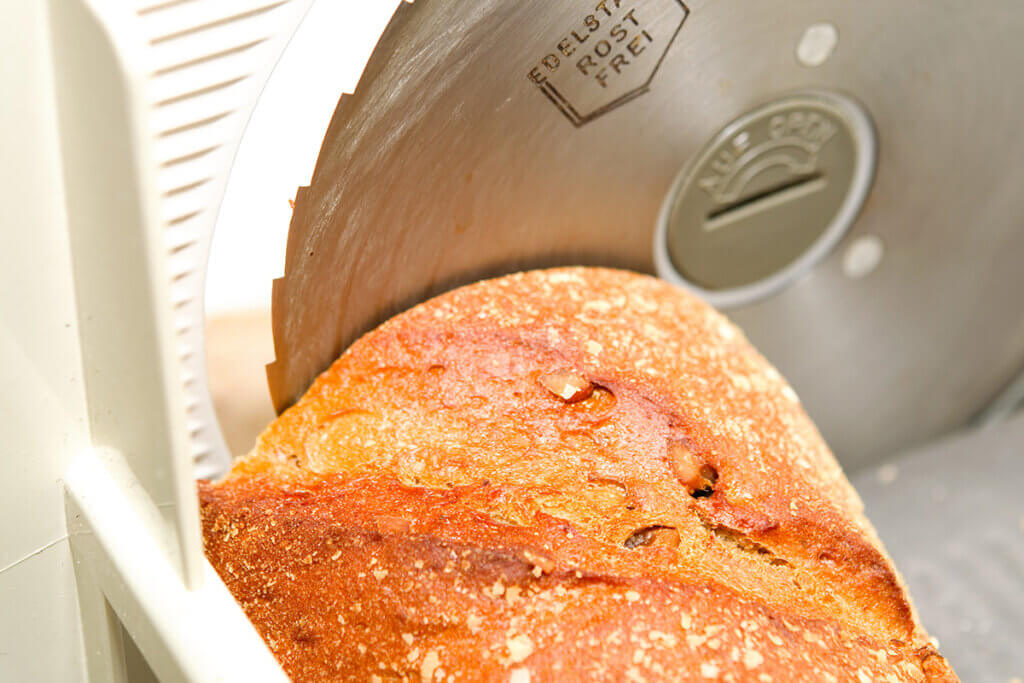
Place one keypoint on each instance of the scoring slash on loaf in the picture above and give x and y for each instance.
(574, 473)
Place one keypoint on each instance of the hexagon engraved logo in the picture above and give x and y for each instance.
(608, 57)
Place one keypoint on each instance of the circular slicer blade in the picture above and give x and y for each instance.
(466, 152)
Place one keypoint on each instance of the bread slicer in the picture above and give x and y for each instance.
(841, 177)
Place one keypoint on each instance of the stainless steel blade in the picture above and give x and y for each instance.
(451, 162)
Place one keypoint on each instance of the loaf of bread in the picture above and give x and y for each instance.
(568, 474)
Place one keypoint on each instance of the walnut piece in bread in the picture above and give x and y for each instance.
(575, 473)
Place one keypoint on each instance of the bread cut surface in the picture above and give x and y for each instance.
(606, 447)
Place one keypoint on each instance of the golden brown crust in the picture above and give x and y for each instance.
(628, 411)
(348, 578)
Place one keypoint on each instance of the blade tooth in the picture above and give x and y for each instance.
(295, 367)
(284, 388)
(277, 368)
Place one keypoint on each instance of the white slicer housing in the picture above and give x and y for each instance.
(151, 99)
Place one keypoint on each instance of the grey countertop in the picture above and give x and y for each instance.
(952, 516)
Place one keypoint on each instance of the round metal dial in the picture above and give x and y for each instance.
(769, 197)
